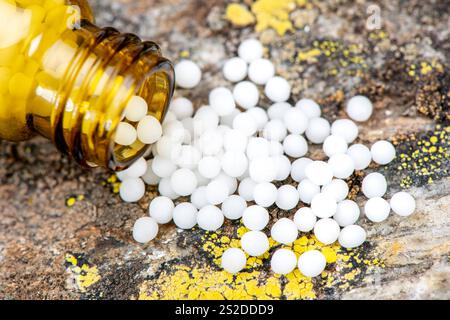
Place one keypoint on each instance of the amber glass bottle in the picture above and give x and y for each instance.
(68, 80)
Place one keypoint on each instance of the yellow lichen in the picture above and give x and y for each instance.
(85, 275)
(239, 15)
(273, 14)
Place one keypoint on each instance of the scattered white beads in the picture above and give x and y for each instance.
(145, 229)
(255, 218)
(277, 89)
(185, 215)
(217, 191)
(403, 204)
(295, 146)
(352, 236)
(132, 190)
(125, 134)
(182, 108)
(295, 120)
(359, 108)
(309, 107)
(233, 260)
(305, 219)
(246, 94)
(210, 218)
(255, 243)
(149, 130)
(341, 165)
(346, 129)
(136, 109)
(284, 231)
(307, 190)
(382, 152)
(250, 50)
(327, 230)
(161, 209)
(374, 185)
(334, 145)
(318, 130)
(283, 261)
(187, 74)
(347, 213)
(311, 263)
(360, 155)
(377, 209)
(324, 205)
(265, 194)
(183, 181)
(319, 173)
(235, 69)
(298, 169)
(233, 207)
(260, 71)
(337, 188)
(221, 101)
(287, 197)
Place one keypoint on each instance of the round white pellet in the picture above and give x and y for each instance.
(352, 236)
(235, 140)
(327, 230)
(234, 163)
(187, 74)
(298, 169)
(311, 263)
(324, 205)
(249, 50)
(359, 108)
(221, 101)
(260, 71)
(341, 165)
(382, 152)
(168, 147)
(165, 189)
(201, 180)
(136, 170)
(163, 167)
(209, 167)
(305, 219)
(235, 69)
(245, 123)
(182, 108)
(183, 181)
(161, 209)
(347, 213)
(210, 142)
(136, 109)
(263, 169)
(132, 190)
(216, 191)
(246, 188)
(255, 218)
(265, 194)
(360, 155)
(145, 229)
(231, 182)
(287, 197)
(246, 94)
(374, 185)
(377, 209)
(275, 148)
(259, 115)
(189, 157)
(277, 89)
(233, 207)
(257, 147)
(307, 190)
(255, 243)
(149, 176)
(295, 146)
(318, 130)
(170, 116)
(210, 218)
(309, 107)
(149, 130)
(198, 197)
(205, 118)
(283, 166)
(283, 261)
(284, 231)
(346, 129)
(278, 110)
(337, 188)
(185, 215)
(403, 204)
(125, 134)
(319, 173)
(334, 145)
(295, 120)
(228, 120)
(233, 260)
(274, 130)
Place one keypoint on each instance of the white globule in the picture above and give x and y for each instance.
(382, 152)
(278, 110)
(307, 190)
(352, 236)
(168, 148)
(377, 209)
(161, 209)
(324, 205)
(342, 165)
(283, 165)
(255, 243)
(287, 197)
(189, 157)
(298, 169)
(346, 129)
(259, 115)
(205, 118)
(274, 130)
(277, 89)
(233, 260)
(337, 188)
(211, 142)
(163, 167)
(245, 123)
(149, 176)
(403, 204)
(187, 74)
(359, 108)
(165, 189)
(221, 101)
(318, 130)
(311, 263)
(136, 170)
(233, 207)
(283, 261)
(182, 108)
(262, 169)
(295, 146)
(360, 155)
(257, 147)
(198, 197)
(183, 181)
(246, 188)
(265, 194)
(136, 109)
(149, 130)
(374, 185)
(235, 140)
(334, 145)
(295, 120)
(249, 50)
(209, 167)
(217, 191)
(347, 213)
(234, 163)
(260, 71)
(210, 218)
(246, 94)
(309, 108)
(185, 215)
(327, 230)
(125, 134)
(235, 69)
(305, 219)
(174, 130)
(145, 229)
(319, 172)
(132, 190)
(255, 218)
(230, 181)
(284, 231)
(275, 148)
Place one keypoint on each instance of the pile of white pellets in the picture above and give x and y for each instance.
(228, 160)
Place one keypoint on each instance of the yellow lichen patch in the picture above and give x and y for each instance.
(423, 68)
(113, 182)
(85, 275)
(70, 201)
(309, 55)
(273, 14)
(239, 15)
